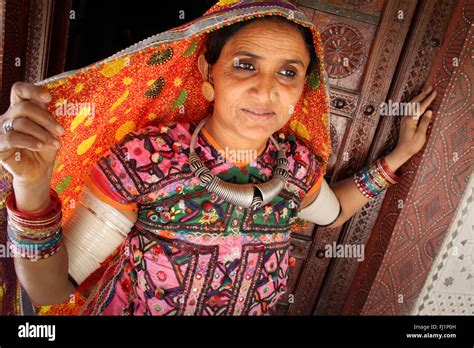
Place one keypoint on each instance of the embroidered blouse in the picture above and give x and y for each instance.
(190, 252)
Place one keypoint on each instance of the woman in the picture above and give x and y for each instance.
(203, 232)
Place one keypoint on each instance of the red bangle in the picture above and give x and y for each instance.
(53, 209)
(389, 172)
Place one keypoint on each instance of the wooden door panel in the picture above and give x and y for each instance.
(353, 7)
(347, 45)
(308, 11)
(371, 38)
(433, 38)
(343, 106)
(347, 42)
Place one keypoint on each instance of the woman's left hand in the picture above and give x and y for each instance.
(412, 135)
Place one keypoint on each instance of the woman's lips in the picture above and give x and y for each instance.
(259, 114)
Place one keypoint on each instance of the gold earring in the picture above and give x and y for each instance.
(207, 91)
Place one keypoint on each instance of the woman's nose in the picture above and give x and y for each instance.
(263, 88)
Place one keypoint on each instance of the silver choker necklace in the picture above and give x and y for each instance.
(242, 195)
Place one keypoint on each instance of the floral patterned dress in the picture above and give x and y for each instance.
(191, 253)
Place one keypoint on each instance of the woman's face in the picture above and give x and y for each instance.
(262, 58)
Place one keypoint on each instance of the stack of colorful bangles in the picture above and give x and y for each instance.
(375, 178)
(35, 236)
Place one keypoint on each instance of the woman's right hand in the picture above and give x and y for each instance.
(28, 151)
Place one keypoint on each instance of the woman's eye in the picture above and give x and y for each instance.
(244, 66)
(288, 73)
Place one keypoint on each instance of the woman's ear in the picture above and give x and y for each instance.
(204, 67)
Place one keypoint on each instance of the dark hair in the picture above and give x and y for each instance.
(217, 39)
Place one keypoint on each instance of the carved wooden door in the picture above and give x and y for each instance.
(364, 46)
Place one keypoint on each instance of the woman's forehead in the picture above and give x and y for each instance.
(267, 35)
(269, 27)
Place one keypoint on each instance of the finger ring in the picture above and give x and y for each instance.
(8, 125)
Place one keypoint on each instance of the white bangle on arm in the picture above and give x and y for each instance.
(93, 232)
(324, 210)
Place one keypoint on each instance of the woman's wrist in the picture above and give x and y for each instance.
(396, 159)
(32, 197)
(35, 234)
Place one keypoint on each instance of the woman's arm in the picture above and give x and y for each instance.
(45, 281)
(349, 196)
(411, 139)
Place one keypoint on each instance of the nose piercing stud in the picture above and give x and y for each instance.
(273, 95)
